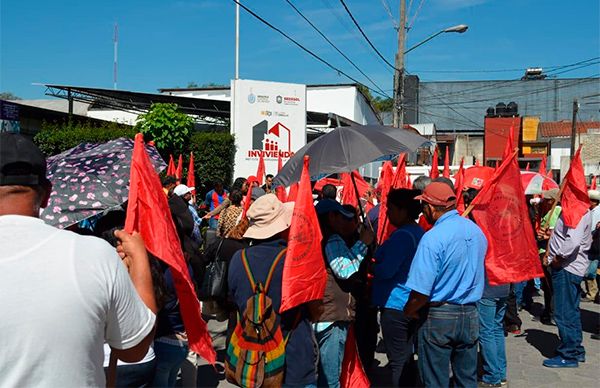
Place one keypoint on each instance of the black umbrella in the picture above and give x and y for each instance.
(89, 179)
(344, 149)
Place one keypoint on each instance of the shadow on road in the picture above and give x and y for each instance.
(590, 321)
(546, 343)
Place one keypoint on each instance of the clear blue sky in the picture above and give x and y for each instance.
(169, 43)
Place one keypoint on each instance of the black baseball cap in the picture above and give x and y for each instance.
(21, 162)
(329, 205)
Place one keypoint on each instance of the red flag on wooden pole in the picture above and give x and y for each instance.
(148, 213)
(574, 201)
(593, 185)
(260, 171)
(543, 166)
(304, 275)
(179, 171)
(191, 178)
(353, 375)
(501, 212)
(171, 166)
(435, 171)
(386, 181)
(459, 182)
(527, 167)
(399, 180)
(248, 197)
(446, 172)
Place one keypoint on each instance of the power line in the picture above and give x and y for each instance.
(501, 83)
(303, 48)
(414, 18)
(335, 47)
(386, 6)
(549, 68)
(511, 96)
(365, 35)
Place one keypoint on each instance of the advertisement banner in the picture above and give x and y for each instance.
(267, 118)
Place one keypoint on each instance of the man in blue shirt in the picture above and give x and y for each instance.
(447, 279)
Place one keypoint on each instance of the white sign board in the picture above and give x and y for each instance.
(267, 118)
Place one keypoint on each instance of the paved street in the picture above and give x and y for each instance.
(525, 353)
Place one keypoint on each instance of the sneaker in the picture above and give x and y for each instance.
(559, 362)
(547, 321)
(581, 358)
(484, 384)
(595, 336)
(503, 382)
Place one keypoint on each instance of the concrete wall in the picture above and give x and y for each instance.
(590, 153)
(462, 104)
(469, 147)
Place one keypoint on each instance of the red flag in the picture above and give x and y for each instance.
(527, 167)
(260, 171)
(501, 212)
(435, 171)
(179, 171)
(510, 145)
(409, 184)
(477, 163)
(386, 181)
(248, 197)
(348, 192)
(593, 185)
(543, 166)
(446, 172)
(304, 275)
(171, 167)
(291, 197)
(459, 182)
(279, 163)
(574, 201)
(148, 213)
(191, 178)
(497, 165)
(399, 180)
(353, 375)
(280, 193)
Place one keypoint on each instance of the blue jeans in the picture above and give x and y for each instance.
(449, 337)
(566, 314)
(168, 361)
(491, 339)
(331, 353)
(135, 375)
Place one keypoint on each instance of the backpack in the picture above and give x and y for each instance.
(256, 351)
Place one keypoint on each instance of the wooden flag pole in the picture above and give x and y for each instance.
(485, 189)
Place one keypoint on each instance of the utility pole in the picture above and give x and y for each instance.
(115, 59)
(399, 72)
(237, 41)
(574, 127)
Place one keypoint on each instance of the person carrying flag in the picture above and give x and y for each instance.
(447, 280)
(79, 293)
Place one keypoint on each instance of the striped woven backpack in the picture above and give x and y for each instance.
(256, 351)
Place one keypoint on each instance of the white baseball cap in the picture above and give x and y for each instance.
(182, 190)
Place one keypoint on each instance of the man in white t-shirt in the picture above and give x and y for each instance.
(63, 295)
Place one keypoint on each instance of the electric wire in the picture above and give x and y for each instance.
(336, 48)
(386, 6)
(365, 35)
(303, 48)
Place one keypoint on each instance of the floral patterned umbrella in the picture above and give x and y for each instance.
(89, 179)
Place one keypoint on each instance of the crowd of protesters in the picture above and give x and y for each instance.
(425, 287)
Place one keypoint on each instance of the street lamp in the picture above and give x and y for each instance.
(399, 75)
(459, 28)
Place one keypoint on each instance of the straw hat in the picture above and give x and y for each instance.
(268, 216)
(594, 195)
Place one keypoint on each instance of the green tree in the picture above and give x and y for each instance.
(379, 103)
(8, 96)
(167, 126)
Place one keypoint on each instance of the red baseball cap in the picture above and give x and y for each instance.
(438, 194)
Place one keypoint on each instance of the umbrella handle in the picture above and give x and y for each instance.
(362, 213)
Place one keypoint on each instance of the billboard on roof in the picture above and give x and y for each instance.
(267, 118)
